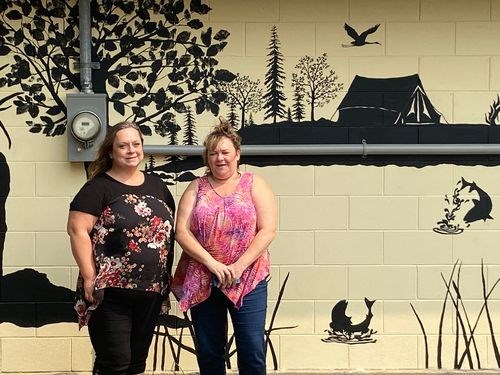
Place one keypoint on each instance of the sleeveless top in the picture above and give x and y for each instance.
(225, 227)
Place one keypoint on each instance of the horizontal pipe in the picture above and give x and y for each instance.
(363, 149)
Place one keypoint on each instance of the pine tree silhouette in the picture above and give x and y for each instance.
(151, 164)
(173, 130)
(298, 97)
(190, 132)
(289, 117)
(274, 97)
(250, 120)
(232, 115)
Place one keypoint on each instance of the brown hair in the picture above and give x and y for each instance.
(103, 161)
(223, 130)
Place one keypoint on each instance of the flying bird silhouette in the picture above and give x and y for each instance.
(359, 39)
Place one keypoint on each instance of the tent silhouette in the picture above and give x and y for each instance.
(387, 101)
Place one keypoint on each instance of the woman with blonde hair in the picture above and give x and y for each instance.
(226, 221)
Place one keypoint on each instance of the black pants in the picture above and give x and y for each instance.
(121, 330)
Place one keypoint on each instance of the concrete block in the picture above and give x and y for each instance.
(243, 11)
(36, 354)
(459, 10)
(419, 39)
(314, 282)
(70, 178)
(293, 247)
(348, 247)
(316, 213)
(455, 73)
(384, 10)
(383, 213)
(314, 11)
(348, 180)
(382, 282)
(417, 248)
(409, 181)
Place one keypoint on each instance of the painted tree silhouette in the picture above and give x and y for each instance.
(151, 163)
(4, 187)
(319, 84)
(243, 93)
(232, 115)
(154, 57)
(298, 100)
(189, 130)
(4, 180)
(173, 130)
(492, 116)
(274, 97)
(250, 121)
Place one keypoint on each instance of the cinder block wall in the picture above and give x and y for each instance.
(345, 232)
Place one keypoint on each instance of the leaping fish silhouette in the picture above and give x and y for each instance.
(482, 206)
(342, 323)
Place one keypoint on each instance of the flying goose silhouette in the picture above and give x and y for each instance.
(359, 39)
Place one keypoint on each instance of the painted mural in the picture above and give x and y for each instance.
(466, 350)
(342, 330)
(479, 208)
(177, 47)
(359, 39)
(176, 346)
(158, 65)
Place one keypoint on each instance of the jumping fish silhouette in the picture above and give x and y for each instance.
(342, 323)
(482, 206)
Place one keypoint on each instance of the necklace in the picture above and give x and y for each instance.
(225, 181)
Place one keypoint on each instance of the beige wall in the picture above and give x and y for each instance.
(345, 232)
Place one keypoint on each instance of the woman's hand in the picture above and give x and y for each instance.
(88, 288)
(221, 272)
(236, 272)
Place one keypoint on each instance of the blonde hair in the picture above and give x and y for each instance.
(103, 161)
(223, 130)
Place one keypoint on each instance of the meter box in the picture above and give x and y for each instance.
(86, 127)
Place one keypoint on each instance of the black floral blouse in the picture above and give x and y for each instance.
(132, 239)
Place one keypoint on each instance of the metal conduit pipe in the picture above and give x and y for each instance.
(85, 46)
(363, 149)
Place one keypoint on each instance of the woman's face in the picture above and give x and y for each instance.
(223, 159)
(127, 149)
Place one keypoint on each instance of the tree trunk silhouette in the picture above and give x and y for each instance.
(242, 117)
(4, 192)
(313, 104)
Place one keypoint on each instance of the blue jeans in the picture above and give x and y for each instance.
(210, 325)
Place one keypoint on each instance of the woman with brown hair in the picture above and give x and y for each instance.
(121, 231)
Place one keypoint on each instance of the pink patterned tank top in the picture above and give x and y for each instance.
(225, 227)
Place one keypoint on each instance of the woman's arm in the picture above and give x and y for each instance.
(265, 206)
(186, 239)
(79, 226)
